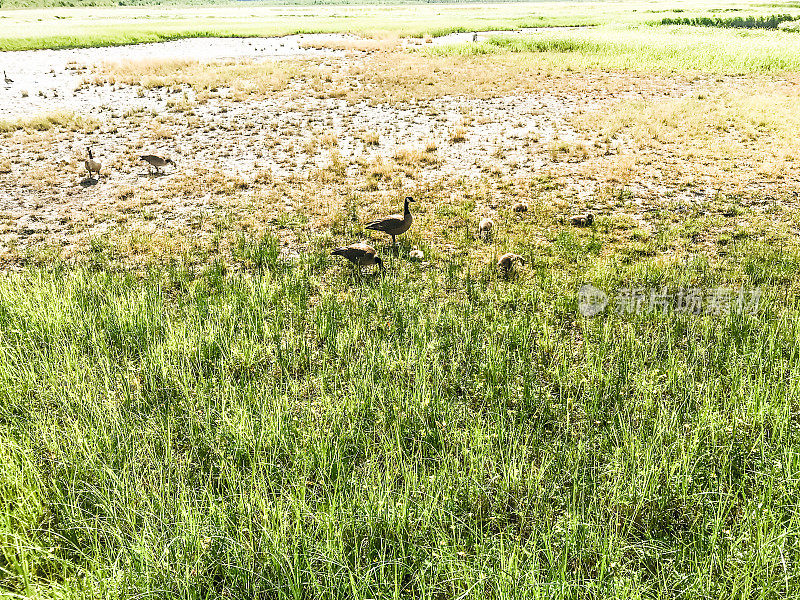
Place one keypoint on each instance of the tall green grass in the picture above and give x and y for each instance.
(678, 48)
(763, 22)
(284, 429)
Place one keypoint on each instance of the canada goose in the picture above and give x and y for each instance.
(360, 254)
(520, 207)
(7, 79)
(394, 225)
(156, 162)
(582, 220)
(92, 165)
(507, 261)
(475, 37)
(485, 227)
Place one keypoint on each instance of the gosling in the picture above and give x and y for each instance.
(485, 227)
(360, 254)
(582, 220)
(520, 207)
(92, 165)
(156, 162)
(506, 262)
(394, 225)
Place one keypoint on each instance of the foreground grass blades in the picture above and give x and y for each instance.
(292, 431)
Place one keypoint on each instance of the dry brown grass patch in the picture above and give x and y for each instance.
(458, 135)
(241, 78)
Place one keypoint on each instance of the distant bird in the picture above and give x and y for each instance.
(7, 79)
(360, 254)
(485, 227)
(520, 207)
(506, 261)
(156, 162)
(91, 164)
(394, 225)
(582, 220)
(475, 37)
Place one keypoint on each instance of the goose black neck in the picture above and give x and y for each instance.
(406, 207)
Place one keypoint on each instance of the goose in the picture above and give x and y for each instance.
(485, 227)
(394, 225)
(360, 254)
(92, 165)
(475, 37)
(520, 207)
(8, 80)
(506, 261)
(582, 220)
(156, 162)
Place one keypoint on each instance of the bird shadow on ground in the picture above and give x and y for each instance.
(89, 182)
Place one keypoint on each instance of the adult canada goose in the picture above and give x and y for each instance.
(92, 165)
(582, 220)
(394, 225)
(360, 254)
(7, 79)
(507, 261)
(485, 227)
(520, 207)
(156, 162)
(475, 37)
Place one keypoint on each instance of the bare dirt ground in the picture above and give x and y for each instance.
(308, 136)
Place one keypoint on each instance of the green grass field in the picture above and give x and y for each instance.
(241, 424)
(295, 431)
(648, 49)
(68, 27)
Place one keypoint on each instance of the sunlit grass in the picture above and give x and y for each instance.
(45, 122)
(675, 48)
(103, 26)
(256, 434)
(216, 413)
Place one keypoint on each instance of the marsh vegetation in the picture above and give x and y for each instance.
(199, 401)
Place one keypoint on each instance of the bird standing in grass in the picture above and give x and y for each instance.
(394, 225)
(485, 227)
(91, 164)
(7, 79)
(507, 261)
(582, 220)
(156, 162)
(360, 254)
(520, 207)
